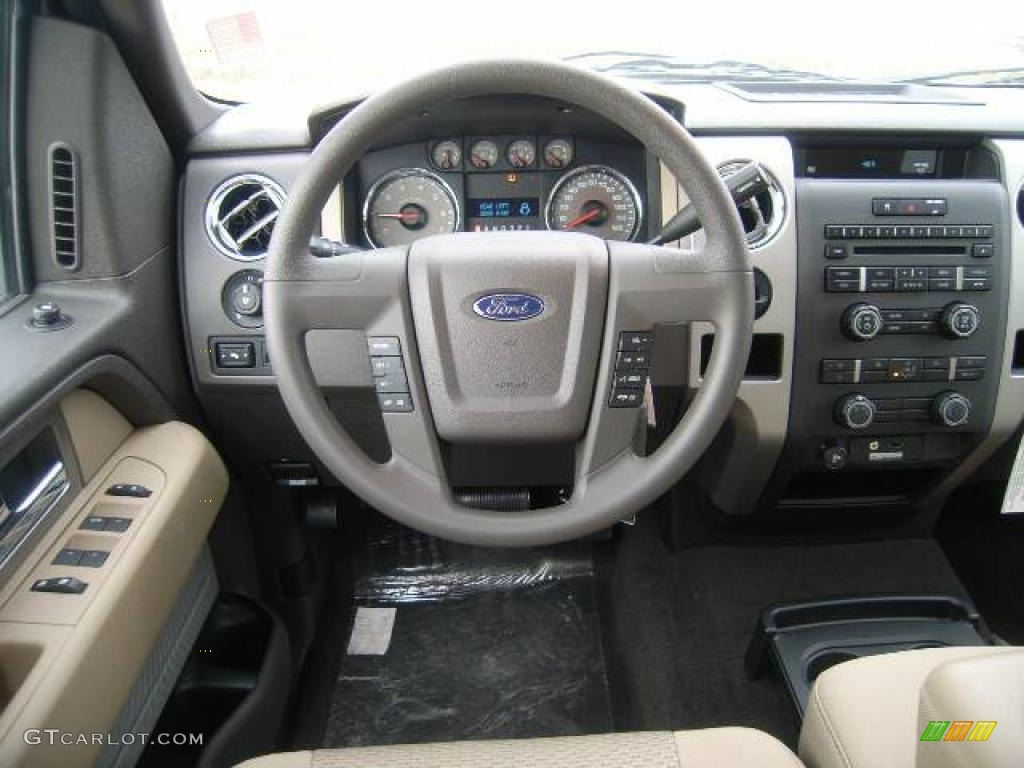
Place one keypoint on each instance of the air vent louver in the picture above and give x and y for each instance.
(64, 198)
(241, 214)
(762, 216)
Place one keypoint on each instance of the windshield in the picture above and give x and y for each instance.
(243, 50)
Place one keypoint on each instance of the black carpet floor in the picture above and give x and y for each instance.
(486, 644)
(677, 625)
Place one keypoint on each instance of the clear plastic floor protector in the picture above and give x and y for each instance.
(484, 644)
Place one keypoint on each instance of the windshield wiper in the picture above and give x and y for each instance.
(1012, 76)
(672, 70)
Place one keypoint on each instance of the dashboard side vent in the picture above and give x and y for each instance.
(762, 216)
(241, 214)
(65, 227)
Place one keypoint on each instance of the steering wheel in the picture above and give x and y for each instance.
(547, 377)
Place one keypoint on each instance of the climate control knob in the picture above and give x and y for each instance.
(951, 409)
(959, 320)
(862, 322)
(855, 411)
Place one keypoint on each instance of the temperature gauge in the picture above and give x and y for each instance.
(447, 155)
(558, 153)
(483, 154)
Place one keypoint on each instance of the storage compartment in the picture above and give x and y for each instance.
(803, 640)
(233, 689)
(17, 661)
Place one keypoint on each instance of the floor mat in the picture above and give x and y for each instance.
(484, 644)
(678, 624)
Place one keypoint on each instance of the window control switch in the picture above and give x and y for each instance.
(61, 585)
(117, 524)
(93, 558)
(130, 490)
(68, 556)
(94, 523)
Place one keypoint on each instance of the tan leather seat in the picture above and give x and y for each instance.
(872, 712)
(712, 748)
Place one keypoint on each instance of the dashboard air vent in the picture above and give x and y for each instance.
(64, 198)
(762, 216)
(241, 213)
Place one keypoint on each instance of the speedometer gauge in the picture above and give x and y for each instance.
(407, 205)
(597, 200)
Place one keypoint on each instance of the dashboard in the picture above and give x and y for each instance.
(888, 355)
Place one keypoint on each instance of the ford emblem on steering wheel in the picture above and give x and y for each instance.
(508, 307)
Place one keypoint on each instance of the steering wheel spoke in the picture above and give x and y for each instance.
(651, 286)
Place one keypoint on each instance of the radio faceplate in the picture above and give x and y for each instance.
(900, 322)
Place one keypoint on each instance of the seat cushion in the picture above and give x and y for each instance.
(864, 713)
(714, 747)
(982, 700)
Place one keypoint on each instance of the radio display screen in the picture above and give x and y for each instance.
(868, 163)
(504, 208)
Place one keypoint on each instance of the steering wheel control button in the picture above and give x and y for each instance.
(392, 383)
(389, 378)
(855, 412)
(627, 398)
(631, 366)
(633, 361)
(959, 320)
(60, 585)
(386, 366)
(951, 409)
(639, 341)
(130, 490)
(395, 403)
(235, 354)
(384, 346)
(862, 322)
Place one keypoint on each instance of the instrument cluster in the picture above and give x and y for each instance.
(502, 183)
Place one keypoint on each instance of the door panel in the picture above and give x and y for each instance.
(73, 661)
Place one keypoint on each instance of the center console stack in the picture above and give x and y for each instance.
(903, 279)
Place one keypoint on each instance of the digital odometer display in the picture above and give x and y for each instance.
(504, 208)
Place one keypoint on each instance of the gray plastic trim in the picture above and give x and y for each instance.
(647, 286)
(166, 660)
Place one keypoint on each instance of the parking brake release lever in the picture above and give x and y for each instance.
(749, 181)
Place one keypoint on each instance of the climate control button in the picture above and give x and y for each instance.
(959, 320)
(862, 322)
(951, 409)
(855, 411)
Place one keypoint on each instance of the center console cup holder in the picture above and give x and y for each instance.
(803, 640)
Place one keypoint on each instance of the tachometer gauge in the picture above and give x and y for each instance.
(558, 153)
(521, 153)
(483, 154)
(597, 200)
(447, 155)
(407, 205)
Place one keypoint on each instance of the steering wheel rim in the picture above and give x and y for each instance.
(644, 284)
